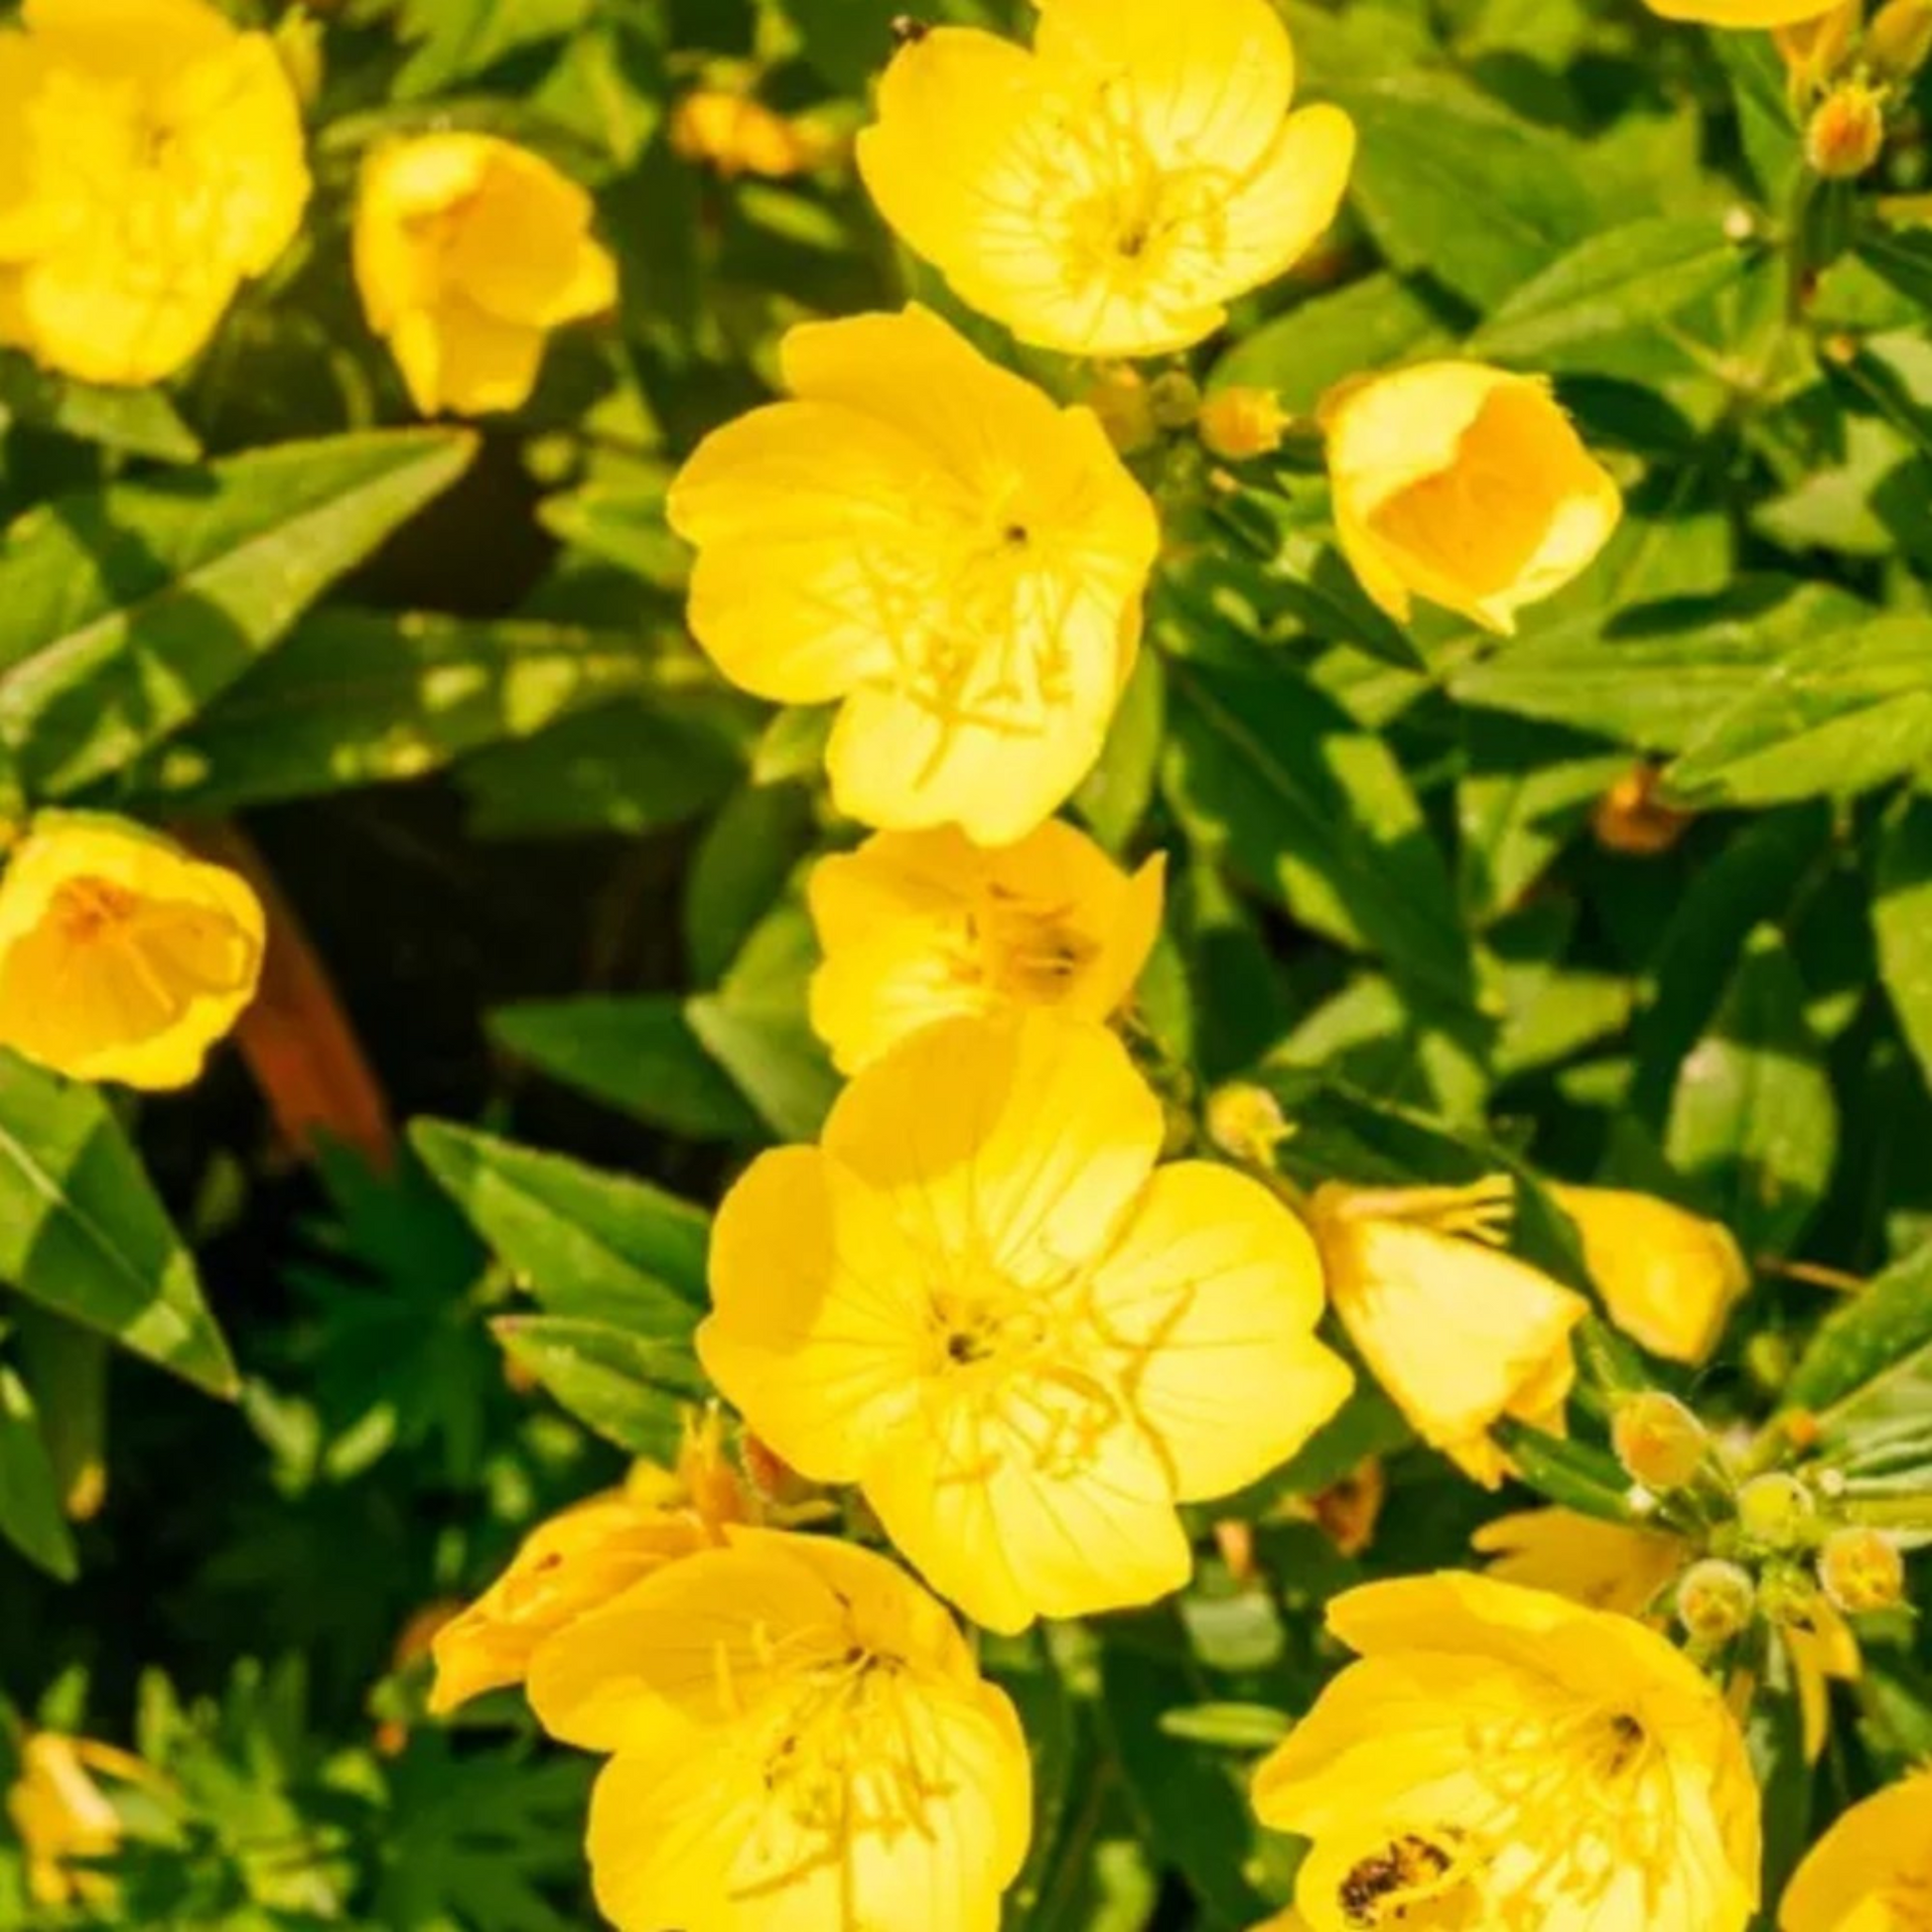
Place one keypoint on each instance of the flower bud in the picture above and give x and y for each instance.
(1119, 398)
(1777, 1511)
(1630, 818)
(1900, 39)
(1861, 1571)
(1239, 424)
(1715, 1600)
(1246, 1123)
(1175, 399)
(1789, 1599)
(1659, 1441)
(1843, 137)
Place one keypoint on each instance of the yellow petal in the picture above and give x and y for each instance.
(1209, 1301)
(1606, 1566)
(1883, 1842)
(1741, 13)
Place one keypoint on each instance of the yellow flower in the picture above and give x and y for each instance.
(738, 135)
(928, 538)
(1498, 1757)
(800, 1740)
(918, 926)
(1606, 1566)
(1669, 1278)
(1872, 1871)
(978, 1300)
(1239, 424)
(121, 959)
(1459, 1332)
(1742, 13)
(578, 1561)
(1109, 192)
(153, 162)
(63, 1815)
(1466, 486)
(468, 252)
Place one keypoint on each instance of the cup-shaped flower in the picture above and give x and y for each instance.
(1109, 192)
(919, 926)
(1498, 1757)
(580, 1559)
(931, 540)
(153, 162)
(1669, 1278)
(979, 1301)
(1458, 1332)
(468, 252)
(1466, 486)
(121, 959)
(800, 1740)
(1742, 13)
(1872, 1871)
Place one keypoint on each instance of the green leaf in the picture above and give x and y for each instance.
(1766, 123)
(1314, 809)
(638, 1056)
(1623, 281)
(739, 870)
(847, 40)
(361, 697)
(1889, 1321)
(82, 1232)
(131, 609)
(1570, 1473)
(1903, 259)
(1451, 185)
(1115, 795)
(1302, 355)
(1755, 1120)
(462, 38)
(587, 1244)
(1902, 919)
(30, 1497)
(631, 1390)
(137, 422)
(1828, 720)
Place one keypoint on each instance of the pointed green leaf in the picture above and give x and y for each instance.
(30, 1497)
(82, 1232)
(632, 1391)
(130, 608)
(1902, 919)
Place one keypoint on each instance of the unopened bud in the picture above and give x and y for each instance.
(1900, 39)
(1861, 1571)
(1659, 1441)
(1844, 136)
(1630, 818)
(1246, 1122)
(1776, 1511)
(1119, 398)
(1789, 1599)
(1715, 1600)
(1175, 399)
(1239, 424)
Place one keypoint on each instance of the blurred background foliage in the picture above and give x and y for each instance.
(1643, 895)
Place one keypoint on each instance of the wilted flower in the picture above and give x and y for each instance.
(1109, 192)
(153, 162)
(1239, 424)
(918, 926)
(931, 540)
(120, 958)
(1872, 1871)
(468, 252)
(800, 1740)
(580, 1560)
(980, 1300)
(1459, 1332)
(1501, 1757)
(1466, 486)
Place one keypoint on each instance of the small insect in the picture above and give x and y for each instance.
(1372, 1894)
(909, 31)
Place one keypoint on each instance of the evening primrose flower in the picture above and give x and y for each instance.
(64, 1815)
(468, 252)
(1617, 1567)
(121, 958)
(1111, 192)
(153, 162)
(1498, 1757)
(800, 1740)
(1459, 1332)
(979, 1301)
(918, 926)
(1872, 1871)
(580, 1559)
(931, 540)
(1463, 485)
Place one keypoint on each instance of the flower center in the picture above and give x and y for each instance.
(1025, 950)
(86, 911)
